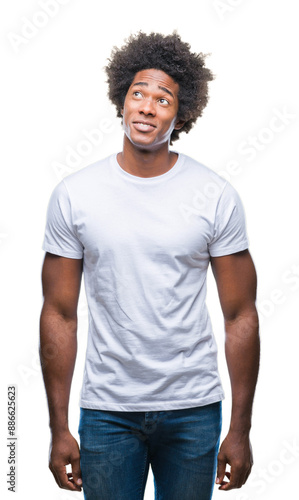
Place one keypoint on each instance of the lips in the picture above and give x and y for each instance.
(144, 126)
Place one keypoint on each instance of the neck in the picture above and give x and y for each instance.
(146, 162)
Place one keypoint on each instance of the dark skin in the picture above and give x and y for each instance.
(148, 123)
(236, 282)
(61, 279)
(152, 98)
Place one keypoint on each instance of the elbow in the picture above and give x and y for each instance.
(245, 321)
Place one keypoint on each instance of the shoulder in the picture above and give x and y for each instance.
(203, 178)
(203, 172)
(199, 170)
(90, 173)
(210, 193)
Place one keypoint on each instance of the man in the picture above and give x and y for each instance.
(143, 225)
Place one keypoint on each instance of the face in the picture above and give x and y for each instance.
(150, 109)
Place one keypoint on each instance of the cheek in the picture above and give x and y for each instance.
(125, 114)
(127, 110)
(170, 123)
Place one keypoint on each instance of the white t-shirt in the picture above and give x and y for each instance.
(146, 245)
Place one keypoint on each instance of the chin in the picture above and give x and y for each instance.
(149, 147)
(148, 143)
(143, 144)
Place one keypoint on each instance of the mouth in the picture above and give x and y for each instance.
(144, 126)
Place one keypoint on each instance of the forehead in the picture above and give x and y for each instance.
(156, 78)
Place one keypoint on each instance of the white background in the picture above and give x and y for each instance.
(52, 90)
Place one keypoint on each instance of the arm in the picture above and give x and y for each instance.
(236, 282)
(61, 279)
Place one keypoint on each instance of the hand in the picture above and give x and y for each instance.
(64, 450)
(235, 451)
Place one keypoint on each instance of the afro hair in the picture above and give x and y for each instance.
(169, 54)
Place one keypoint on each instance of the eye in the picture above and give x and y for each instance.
(137, 93)
(163, 101)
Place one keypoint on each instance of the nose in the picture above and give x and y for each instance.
(147, 107)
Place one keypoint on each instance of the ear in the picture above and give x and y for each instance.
(179, 124)
(122, 111)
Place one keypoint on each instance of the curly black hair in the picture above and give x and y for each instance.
(169, 54)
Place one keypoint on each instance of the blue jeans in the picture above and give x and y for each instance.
(181, 446)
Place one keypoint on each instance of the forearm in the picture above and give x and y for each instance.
(58, 349)
(242, 349)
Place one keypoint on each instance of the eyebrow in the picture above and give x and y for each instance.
(161, 88)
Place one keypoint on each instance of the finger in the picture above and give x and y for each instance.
(221, 464)
(55, 475)
(76, 472)
(77, 484)
(235, 479)
(247, 474)
(224, 484)
(61, 478)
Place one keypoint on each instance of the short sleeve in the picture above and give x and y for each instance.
(60, 235)
(230, 234)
